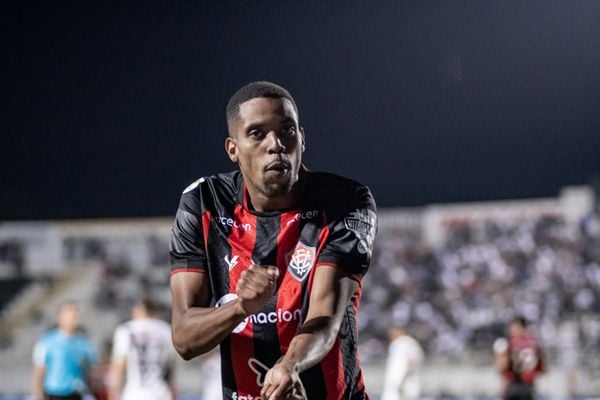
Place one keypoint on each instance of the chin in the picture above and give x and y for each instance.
(277, 189)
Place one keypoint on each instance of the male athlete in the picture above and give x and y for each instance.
(519, 360)
(143, 360)
(281, 250)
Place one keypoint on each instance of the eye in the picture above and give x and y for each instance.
(288, 130)
(256, 133)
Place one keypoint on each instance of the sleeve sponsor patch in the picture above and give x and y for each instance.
(363, 223)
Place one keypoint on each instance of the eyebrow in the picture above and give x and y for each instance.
(253, 126)
(260, 125)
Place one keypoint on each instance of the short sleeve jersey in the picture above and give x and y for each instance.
(216, 233)
(146, 345)
(67, 358)
(525, 357)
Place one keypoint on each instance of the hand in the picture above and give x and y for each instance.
(256, 286)
(283, 382)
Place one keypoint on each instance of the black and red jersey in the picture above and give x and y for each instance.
(525, 359)
(216, 232)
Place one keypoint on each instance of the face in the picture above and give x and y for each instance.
(267, 143)
(68, 318)
(516, 329)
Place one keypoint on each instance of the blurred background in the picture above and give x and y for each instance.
(475, 124)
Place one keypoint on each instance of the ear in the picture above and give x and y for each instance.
(303, 138)
(231, 149)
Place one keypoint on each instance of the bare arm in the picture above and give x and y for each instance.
(197, 327)
(117, 378)
(171, 381)
(331, 294)
(39, 371)
(502, 362)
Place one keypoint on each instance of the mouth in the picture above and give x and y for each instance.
(278, 166)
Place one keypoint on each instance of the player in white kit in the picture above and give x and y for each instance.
(143, 357)
(405, 356)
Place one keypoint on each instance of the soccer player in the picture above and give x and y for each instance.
(281, 251)
(142, 365)
(63, 358)
(405, 356)
(519, 360)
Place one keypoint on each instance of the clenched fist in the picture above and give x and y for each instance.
(282, 382)
(256, 286)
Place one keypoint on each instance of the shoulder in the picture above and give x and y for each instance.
(500, 345)
(338, 191)
(163, 326)
(227, 181)
(327, 180)
(80, 337)
(123, 328)
(204, 191)
(47, 337)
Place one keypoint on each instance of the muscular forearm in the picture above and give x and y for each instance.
(318, 334)
(38, 383)
(312, 343)
(199, 329)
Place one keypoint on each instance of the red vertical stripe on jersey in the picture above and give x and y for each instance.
(289, 297)
(206, 227)
(360, 384)
(323, 235)
(241, 240)
(332, 368)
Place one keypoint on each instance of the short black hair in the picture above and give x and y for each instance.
(519, 320)
(148, 304)
(252, 91)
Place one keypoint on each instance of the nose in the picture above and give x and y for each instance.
(274, 143)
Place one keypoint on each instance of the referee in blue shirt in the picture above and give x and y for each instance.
(62, 359)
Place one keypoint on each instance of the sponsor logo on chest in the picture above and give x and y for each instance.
(230, 222)
(304, 215)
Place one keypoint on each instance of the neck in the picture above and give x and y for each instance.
(261, 202)
(66, 332)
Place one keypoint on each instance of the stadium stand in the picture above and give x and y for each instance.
(453, 274)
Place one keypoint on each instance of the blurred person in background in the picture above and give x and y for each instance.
(405, 356)
(519, 360)
(211, 376)
(63, 358)
(142, 363)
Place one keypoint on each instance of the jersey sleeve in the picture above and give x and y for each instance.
(39, 354)
(187, 249)
(120, 343)
(91, 354)
(352, 230)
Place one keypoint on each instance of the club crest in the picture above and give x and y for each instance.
(300, 261)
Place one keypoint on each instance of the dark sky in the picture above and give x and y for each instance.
(111, 110)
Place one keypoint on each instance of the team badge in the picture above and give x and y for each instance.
(300, 261)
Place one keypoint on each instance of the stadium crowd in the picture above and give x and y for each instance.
(457, 296)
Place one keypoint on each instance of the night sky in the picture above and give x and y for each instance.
(111, 110)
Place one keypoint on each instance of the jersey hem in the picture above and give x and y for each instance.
(177, 270)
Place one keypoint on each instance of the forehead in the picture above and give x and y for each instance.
(265, 109)
(69, 308)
